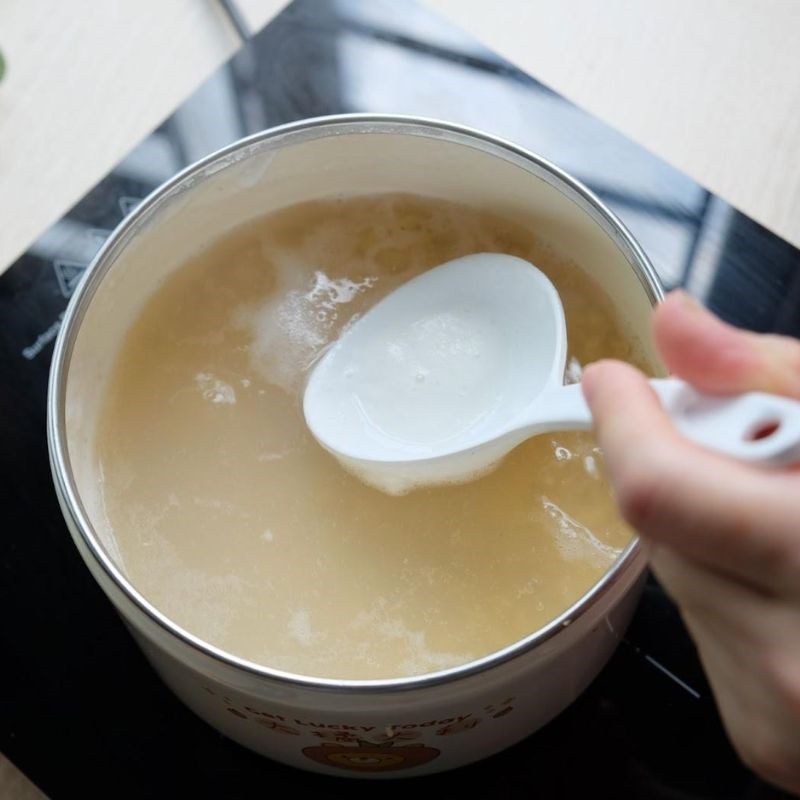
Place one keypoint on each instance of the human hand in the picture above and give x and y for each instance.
(724, 536)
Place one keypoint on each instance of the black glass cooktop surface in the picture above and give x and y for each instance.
(81, 711)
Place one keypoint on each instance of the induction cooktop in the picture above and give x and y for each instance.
(81, 712)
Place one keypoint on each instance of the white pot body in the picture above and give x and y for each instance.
(359, 728)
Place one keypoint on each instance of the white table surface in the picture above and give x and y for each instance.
(712, 86)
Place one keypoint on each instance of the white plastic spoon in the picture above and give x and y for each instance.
(448, 373)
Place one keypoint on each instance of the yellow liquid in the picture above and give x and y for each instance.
(232, 520)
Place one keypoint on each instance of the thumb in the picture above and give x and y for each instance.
(719, 359)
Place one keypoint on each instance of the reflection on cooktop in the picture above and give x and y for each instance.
(77, 688)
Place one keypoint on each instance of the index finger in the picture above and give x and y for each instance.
(720, 359)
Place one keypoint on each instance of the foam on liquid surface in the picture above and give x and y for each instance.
(233, 521)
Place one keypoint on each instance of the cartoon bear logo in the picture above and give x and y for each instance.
(370, 757)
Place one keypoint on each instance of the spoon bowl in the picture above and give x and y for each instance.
(415, 390)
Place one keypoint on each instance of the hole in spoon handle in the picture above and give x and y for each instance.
(755, 427)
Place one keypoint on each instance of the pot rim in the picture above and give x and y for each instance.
(148, 209)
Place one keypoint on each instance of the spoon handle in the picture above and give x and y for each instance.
(756, 427)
